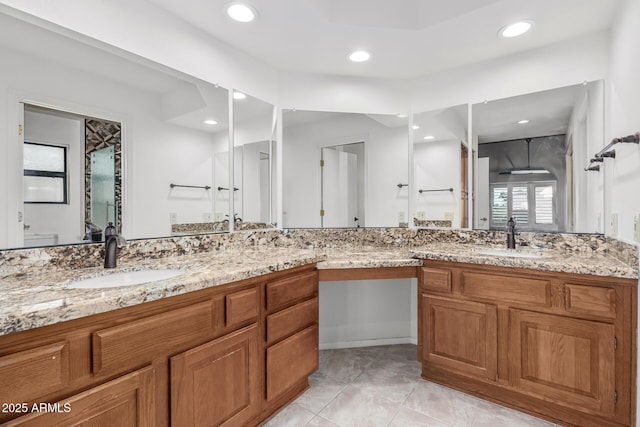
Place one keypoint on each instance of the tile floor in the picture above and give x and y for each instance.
(381, 386)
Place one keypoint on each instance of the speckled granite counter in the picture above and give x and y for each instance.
(595, 263)
(32, 281)
(367, 257)
(41, 298)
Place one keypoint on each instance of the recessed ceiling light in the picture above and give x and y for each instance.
(210, 122)
(522, 122)
(429, 137)
(238, 95)
(516, 29)
(359, 56)
(402, 116)
(241, 12)
(416, 127)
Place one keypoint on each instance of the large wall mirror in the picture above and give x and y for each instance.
(531, 154)
(104, 137)
(344, 169)
(254, 130)
(440, 162)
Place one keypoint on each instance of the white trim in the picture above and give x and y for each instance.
(367, 343)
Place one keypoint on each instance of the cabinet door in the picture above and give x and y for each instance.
(568, 361)
(460, 336)
(127, 401)
(217, 383)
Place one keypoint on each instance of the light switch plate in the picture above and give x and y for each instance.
(206, 216)
(448, 216)
(173, 218)
(614, 224)
(421, 215)
(402, 217)
(219, 216)
(636, 228)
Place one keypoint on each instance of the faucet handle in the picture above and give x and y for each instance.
(121, 241)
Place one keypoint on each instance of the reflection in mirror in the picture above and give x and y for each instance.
(61, 152)
(531, 154)
(440, 156)
(124, 129)
(253, 135)
(342, 189)
(344, 170)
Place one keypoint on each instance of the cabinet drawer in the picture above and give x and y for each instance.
(291, 361)
(134, 344)
(507, 288)
(287, 291)
(292, 319)
(33, 373)
(436, 279)
(241, 307)
(593, 300)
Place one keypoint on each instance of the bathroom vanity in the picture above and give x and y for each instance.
(233, 339)
(230, 354)
(557, 345)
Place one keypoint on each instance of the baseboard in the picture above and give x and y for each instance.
(367, 343)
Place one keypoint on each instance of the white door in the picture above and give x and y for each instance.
(339, 188)
(482, 194)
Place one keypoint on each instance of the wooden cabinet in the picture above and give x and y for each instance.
(211, 357)
(561, 346)
(563, 359)
(124, 402)
(460, 335)
(290, 361)
(215, 384)
(291, 334)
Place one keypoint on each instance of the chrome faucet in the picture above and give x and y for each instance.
(112, 241)
(511, 233)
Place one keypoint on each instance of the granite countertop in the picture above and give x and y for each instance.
(367, 257)
(587, 262)
(42, 298)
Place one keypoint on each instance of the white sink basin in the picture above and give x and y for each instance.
(511, 253)
(124, 278)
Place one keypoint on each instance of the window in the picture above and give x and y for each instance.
(531, 204)
(45, 173)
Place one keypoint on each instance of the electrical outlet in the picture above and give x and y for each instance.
(636, 228)
(448, 216)
(421, 215)
(614, 224)
(219, 216)
(206, 216)
(402, 217)
(173, 218)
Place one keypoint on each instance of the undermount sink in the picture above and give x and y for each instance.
(512, 253)
(124, 278)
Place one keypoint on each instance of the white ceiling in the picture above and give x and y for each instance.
(185, 101)
(407, 38)
(548, 112)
